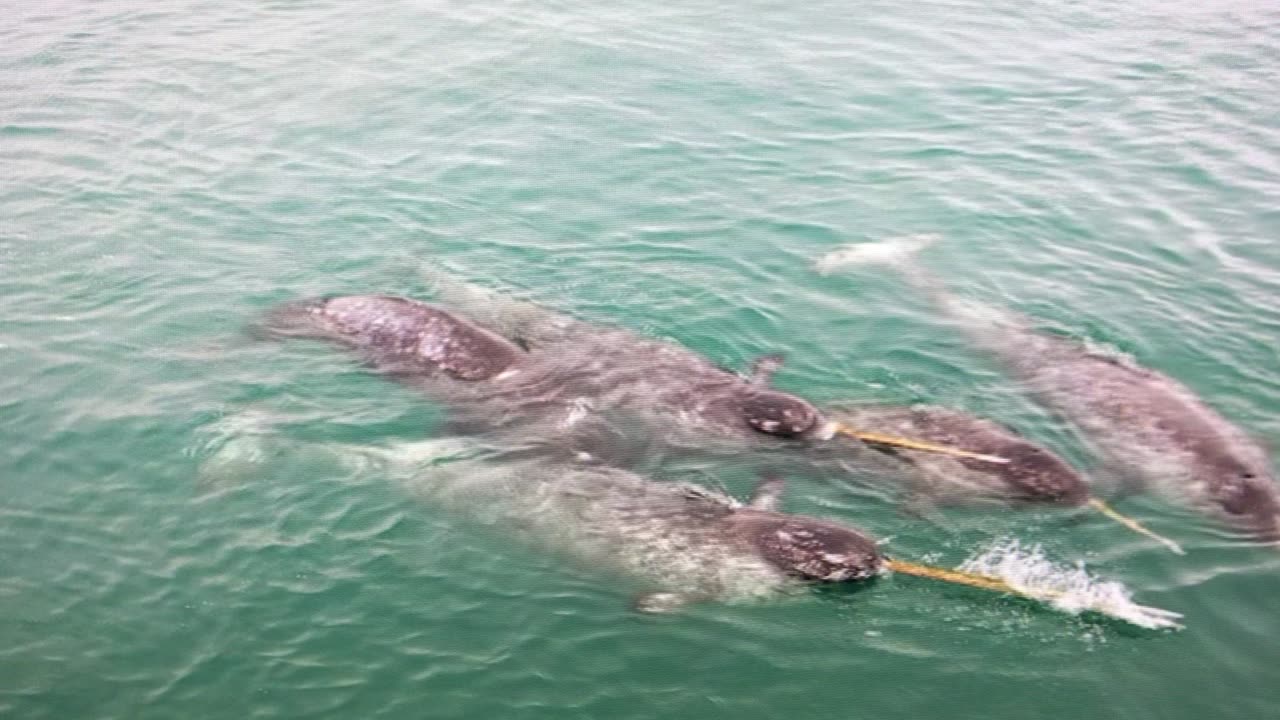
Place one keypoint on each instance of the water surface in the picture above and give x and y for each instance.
(172, 170)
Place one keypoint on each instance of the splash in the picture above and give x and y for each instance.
(1071, 590)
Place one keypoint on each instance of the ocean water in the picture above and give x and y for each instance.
(173, 169)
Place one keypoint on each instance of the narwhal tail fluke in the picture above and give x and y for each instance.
(990, 325)
(1134, 525)
(898, 253)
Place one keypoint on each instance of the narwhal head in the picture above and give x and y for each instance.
(778, 413)
(1034, 474)
(1246, 496)
(808, 548)
(801, 546)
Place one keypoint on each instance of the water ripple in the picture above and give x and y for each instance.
(172, 171)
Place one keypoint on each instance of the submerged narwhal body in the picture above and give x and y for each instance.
(1146, 425)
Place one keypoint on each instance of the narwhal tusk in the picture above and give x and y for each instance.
(910, 444)
(1134, 525)
(959, 577)
(1064, 599)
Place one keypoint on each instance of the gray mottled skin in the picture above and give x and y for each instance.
(398, 335)
(1146, 425)
(1033, 473)
(677, 541)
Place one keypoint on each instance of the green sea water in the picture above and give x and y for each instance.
(171, 170)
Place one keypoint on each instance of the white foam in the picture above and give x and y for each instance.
(1069, 589)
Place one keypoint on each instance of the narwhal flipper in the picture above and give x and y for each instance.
(763, 368)
(768, 493)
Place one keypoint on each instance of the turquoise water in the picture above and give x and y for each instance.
(171, 170)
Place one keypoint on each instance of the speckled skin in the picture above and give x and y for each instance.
(1145, 424)
(400, 335)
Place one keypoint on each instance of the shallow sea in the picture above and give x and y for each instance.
(170, 170)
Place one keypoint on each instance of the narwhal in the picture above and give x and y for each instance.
(672, 543)
(1034, 473)
(1145, 424)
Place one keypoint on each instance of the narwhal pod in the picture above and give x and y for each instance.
(565, 386)
(612, 395)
